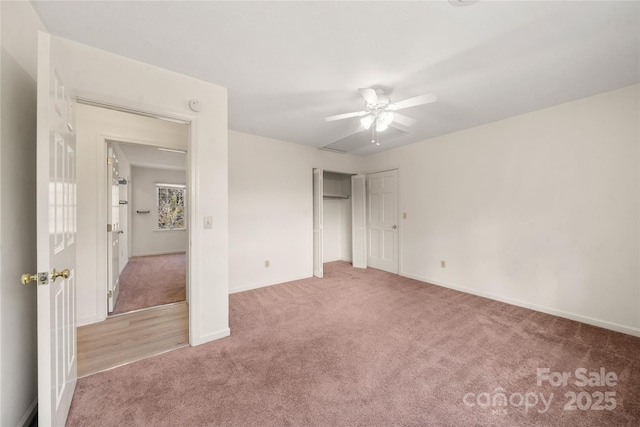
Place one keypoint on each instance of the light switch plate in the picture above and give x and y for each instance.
(208, 222)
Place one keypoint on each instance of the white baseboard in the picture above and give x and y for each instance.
(84, 321)
(264, 284)
(28, 416)
(160, 253)
(630, 330)
(210, 337)
(337, 259)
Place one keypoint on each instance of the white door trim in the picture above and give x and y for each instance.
(192, 173)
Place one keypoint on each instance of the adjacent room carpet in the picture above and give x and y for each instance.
(368, 348)
(149, 281)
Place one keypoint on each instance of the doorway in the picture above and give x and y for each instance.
(139, 236)
(370, 233)
(147, 211)
(332, 218)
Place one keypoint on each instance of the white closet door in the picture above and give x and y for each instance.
(359, 221)
(317, 223)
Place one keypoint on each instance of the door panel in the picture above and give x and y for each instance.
(359, 221)
(113, 218)
(56, 237)
(374, 241)
(382, 220)
(318, 192)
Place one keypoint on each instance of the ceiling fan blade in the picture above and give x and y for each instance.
(403, 120)
(345, 116)
(412, 102)
(369, 95)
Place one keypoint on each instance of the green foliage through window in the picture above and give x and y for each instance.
(171, 213)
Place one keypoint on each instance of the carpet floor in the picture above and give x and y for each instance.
(368, 348)
(149, 281)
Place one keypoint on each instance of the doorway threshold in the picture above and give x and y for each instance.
(129, 337)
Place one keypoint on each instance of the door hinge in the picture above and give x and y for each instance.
(110, 294)
(109, 161)
(109, 228)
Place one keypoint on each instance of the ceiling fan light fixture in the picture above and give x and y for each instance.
(381, 126)
(386, 117)
(367, 121)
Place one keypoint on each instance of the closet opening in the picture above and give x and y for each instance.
(332, 218)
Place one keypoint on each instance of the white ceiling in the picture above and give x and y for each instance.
(287, 65)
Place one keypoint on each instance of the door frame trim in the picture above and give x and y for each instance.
(128, 106)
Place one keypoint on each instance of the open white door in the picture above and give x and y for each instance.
(113, 228)
(359, 221)
(56, 237)
(317, 222)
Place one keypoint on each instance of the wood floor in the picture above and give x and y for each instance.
(132, 336)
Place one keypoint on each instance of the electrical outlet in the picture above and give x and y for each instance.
(443, 264)
(266, 264)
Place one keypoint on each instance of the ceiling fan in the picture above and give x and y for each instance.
(379, 112)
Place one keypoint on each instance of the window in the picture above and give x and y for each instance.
(171, 212)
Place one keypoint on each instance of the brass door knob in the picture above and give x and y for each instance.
(55, 274)
(26, 278)
(41, 278)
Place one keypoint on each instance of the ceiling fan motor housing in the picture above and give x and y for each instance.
(378, 107)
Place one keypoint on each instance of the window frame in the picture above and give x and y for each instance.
(162, 185)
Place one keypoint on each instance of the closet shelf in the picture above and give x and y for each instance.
(335, 196)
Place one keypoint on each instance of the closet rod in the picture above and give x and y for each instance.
(331, 196)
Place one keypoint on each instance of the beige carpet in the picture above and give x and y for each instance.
(368, 348)
(149, 281)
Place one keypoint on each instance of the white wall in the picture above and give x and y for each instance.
(270, 208)
(93, 125)
(539, 210)
(112, 79)
(332, 230)
(146, 239)
(337, 230)
(18, 350)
